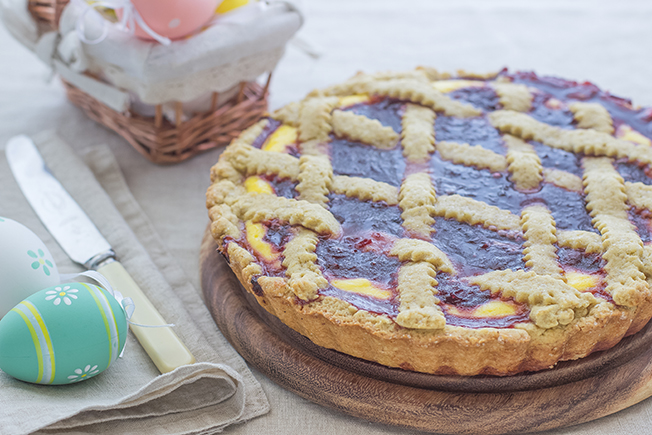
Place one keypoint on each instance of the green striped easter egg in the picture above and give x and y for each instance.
(62, 334)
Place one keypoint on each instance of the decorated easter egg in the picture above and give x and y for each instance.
(173, 18)
(26, 265)
(62, 334)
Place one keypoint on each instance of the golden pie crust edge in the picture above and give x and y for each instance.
(450, 351)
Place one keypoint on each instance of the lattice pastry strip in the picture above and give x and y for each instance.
(314, 148)
(418, 133)
(585, 240)
(589, 142)
(563, 179)
(540, 238)
(315, 179)
(252, 161)
(315, 118)
(224, 169)
(289, 114)
(433, 73)
(413, 250)
(552, 302)
(249, 135)
(224, 191)
(416, 200)
(468, 155)
(639, 195)
(448, 86)
(474, 212)
(425, 94)
(358, 83)
(224, 222)
(362, 129)
(416, 91)
(355, 83)
(523, 163)
(475, 74)
(418, 307)
(513, 96)
(647, 260)
(623, 249)
(351, 100)
(304, 276)
(420, 75)
(365, 189)
(592, 115)
(262, 208)
(239, 255)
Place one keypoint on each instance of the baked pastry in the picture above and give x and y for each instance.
(469, 224)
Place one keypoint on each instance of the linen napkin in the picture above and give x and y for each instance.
(131, 396)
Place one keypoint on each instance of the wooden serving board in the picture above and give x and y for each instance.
(573, 392)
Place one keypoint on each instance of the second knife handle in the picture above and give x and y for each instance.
(163, 346)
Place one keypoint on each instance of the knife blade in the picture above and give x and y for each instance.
(84, 244)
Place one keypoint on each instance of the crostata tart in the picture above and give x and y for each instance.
(468, 224)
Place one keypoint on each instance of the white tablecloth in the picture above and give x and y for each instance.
(606, 42)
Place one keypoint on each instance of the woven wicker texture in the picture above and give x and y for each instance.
(156, 138)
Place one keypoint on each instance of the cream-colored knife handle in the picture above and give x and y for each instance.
(162, 345)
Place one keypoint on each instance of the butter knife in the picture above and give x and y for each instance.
(81, 240)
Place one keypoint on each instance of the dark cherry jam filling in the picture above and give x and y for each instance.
(388, 307)
(474, 131)
(282, 186)
(621, 109)
(270, 128)
(455, 292)
(556, 158)
(361, 256)
(351, 258)
(480, 184)
(483, 98)
(579, 260)
(360, 160)
(633, 172)
(357, 216)
(277, 235)
(642, 222)
(388, 111)
(475, 250)
(465, 298)
(541, 112)
(270, 268)
(568, 208)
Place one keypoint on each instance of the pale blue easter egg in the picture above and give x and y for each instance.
(62, 334)
(26, 265)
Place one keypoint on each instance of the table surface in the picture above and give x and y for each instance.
(606, 42)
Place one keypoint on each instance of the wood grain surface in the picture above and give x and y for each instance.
(571, 393)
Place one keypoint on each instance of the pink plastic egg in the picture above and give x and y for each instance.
(174, 19)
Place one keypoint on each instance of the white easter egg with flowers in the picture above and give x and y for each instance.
(26, 265)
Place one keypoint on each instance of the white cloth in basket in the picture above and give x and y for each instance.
(230, 51)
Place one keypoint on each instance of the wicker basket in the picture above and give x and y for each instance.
(155, 137)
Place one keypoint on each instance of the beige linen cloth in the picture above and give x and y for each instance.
(130, 396)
